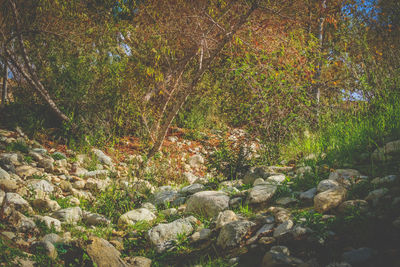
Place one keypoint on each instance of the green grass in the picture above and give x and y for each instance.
(17, 146)
(349, 137)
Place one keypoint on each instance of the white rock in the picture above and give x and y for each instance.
(225, 217)
(68, 215)
(283, 228)
(329, 199)
(207, 203)
(327, 184)
(134, 216)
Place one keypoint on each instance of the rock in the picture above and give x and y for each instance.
(134, 216)
(66, 186)
(279, 256)
(327, 184)
(41, 151)
(339, 264)
(329, 199)
(299, 232)
(207, 203)
(384, 180)
(22, 223)
(385, 152)
(376, 194)
(52, 238)
(196, 161)
(95, 219)
(138, 262)
(350, 206)
(232, 233)
(96, 174)
(285, 201)
(42, 185)
(13, 201)
(166, 232)
(47, 164)
(280, 214)
(102, 253)
(358, 256)
(191, 189)
(344, 176)
(68, 215)
(103, 158)
(300, 172)
(264, 230)
(261, 194)
(203, 234)
(259, 181)
(46, 204)
(78, 184)
(283, 228)
(170, 212)
(225, 217)
(276, 179)
(150, 207)
(190, 177)
(4, 175)
(49, 222)
(2, 196)
(165, 196)
(396, 223)
(8, 185)
(257, 172)
(47, 247)
(308, 195)
(25, 171)
(96, 185)
(143, 187)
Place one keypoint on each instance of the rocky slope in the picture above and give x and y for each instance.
(68, 209)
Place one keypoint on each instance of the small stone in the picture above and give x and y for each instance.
(358, 256)
(102, 253)
(276, 179)
(8, 185)
(284, 201)
(258, 181)
(164, 197)
(139, 262)
(283, 228)
(69, 215)
(261, 194)
(232, 233)
(350, 206)
(95, 219)
(207, 203)
(327, 184)
(191, 189)
(47, 247)
(308, 195)
(203, 234)
(134, 216)
(4, 175)
(329, 199)
(196, 161)
(375, 195)
(49, 222)
(225, 217)
(103, 158)
(46, 204)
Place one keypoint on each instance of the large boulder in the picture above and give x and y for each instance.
(232, 233)
(12, 202)
(329, 199)
(162, 235)
(134, 216)
(261, 193)
(207, 203)
(4, 174)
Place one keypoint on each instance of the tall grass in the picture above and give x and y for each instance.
(349, 136)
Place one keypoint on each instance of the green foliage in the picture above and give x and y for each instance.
(245, 210)
(228, 161)
(114, 202)
(58, 156)
(44, 229)
(8, 254)
(17, 146)
(315, 222)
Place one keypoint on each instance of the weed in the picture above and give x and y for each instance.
(58, 156)
(245, 210)
(315, 222)
(28, 159)
(44, 229)
(8, 254)
(39, 177)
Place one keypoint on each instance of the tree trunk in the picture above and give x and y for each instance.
(4, 86)
(170, 115)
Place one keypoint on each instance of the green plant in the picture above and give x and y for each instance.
(17, 146)
(58, 156)
(39, 177)
(229, 161)
(9, 253)
(44, 229)
(315, 222)
(28, 159)
(245, 210)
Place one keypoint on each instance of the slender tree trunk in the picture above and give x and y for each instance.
(181, 99)
(4, 86)
(317, 77)
(28, 72)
